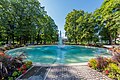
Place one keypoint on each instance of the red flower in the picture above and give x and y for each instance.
(8, 57)
(19, 69)
(2, 54)
(24, 66)
(24, 71)
(106, 72)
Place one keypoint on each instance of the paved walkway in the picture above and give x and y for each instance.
(74, 73)
(59, 72)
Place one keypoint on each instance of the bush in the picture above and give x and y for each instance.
(7, 48)
(116, 58)
(92, 63)
(109, 66)
(28, 64)
(12, 67)
(114, 71)
(8, 66)
(11, 47)
(99, 63)
(2, 50)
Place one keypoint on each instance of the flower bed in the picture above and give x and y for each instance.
(108, 66)
(12, 67)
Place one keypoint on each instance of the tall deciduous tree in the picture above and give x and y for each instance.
(26, 21)
(82, 26)
(109, 13)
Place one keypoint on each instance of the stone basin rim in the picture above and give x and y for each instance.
(52, 45)
(55, 64)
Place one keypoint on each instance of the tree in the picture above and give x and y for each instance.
(71, 25)
(109, 13)
(79, 26)
(82, 26)
(23, 21)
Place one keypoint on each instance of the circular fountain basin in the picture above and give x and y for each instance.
(63, 54)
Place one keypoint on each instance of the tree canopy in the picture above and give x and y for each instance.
(104, 23)
(24, 21)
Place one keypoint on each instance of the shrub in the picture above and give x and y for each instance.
(7, 48)
(116, 58)
(2, 50)
(109, 66)
(9, 65)
(101, 63)
(92, 63)
(12, 67)
(15, 73)
(114, 71)
(11, 47)
(28, 64)
(3, 70)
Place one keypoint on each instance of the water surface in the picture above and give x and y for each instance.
(58, 54)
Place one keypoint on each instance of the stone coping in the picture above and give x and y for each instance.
(55, 64)
(52, 45)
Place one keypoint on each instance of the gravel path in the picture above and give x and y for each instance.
(74, 73)
(63, 72)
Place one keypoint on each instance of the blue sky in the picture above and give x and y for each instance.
(58, 9)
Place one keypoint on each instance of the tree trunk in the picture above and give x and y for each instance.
(110, 39)
(20, 41)
(115, 36)
(30, 39)
(7, 40)
(38, 38)
(115, 41)
(75, 41)
(33, 41)
(13, 38)
(44, 41)
(41, 41)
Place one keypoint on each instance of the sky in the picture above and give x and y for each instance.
(58, 9)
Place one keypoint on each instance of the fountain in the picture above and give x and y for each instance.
(60, 39)
(100, 42)
(60, 54)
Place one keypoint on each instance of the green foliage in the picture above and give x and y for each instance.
(93, 63)
(28, 64)
(78, 26)
(12, 67)
(101, 63)
(10, 78)
(108, 16)
(98, 63)
(114, 71)
(82, 26)
(107, 66)
(15, 73)
(24, 21)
